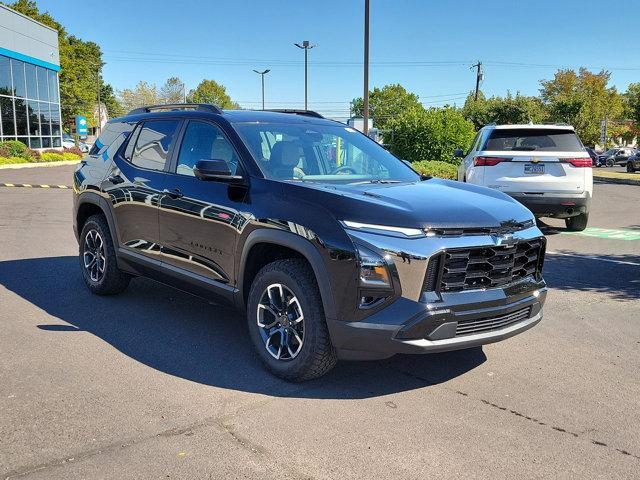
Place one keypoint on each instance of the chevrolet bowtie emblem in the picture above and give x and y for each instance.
(506, 240)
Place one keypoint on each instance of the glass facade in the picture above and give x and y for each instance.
(29, 104)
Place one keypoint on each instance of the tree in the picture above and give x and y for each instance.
(210, 91)
(109, 100)
(386, 103)
(432, 134)
(583, 100)
(503, 110)
(142, 94)
(80, 65)
(632, 98)
(172, 91)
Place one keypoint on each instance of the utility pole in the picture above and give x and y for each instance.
(365, 96)
(184, 92)
(98, 125)
(306, 46)
(262, 74)
(479, 77)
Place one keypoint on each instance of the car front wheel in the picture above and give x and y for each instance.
(286, 321)
(630, 168)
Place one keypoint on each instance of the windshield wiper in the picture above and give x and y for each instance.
(376, 180)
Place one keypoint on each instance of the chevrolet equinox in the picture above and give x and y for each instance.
(333, 247)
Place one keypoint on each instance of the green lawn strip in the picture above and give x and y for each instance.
(608, 233)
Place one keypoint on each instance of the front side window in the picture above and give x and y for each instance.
(321, 153)
(153, 144)
(204, 141)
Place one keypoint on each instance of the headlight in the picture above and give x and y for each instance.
(373, 269)
(384, 229)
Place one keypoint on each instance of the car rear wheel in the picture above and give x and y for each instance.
(286, 322)
(577, 223)
(630, 168)
(610, 162)
(98, 259)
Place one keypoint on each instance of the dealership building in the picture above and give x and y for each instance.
(29, 92)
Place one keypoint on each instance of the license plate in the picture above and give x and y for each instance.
(533, 168)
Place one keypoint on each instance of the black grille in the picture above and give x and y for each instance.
(481, 325)
(488, 267)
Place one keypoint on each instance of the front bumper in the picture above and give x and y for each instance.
(560, 205)
(416, 321)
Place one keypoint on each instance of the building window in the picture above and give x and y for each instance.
(29, 104)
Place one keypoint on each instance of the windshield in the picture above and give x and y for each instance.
(530, 139)
(321, 153)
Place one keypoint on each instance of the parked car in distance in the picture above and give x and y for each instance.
(633, 162)
(330, 245)
(545, 167)
(69, 142)
(594, 156)
(615, 156)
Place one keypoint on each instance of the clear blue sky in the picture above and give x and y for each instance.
(225, 40)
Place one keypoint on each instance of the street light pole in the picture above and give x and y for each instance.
(365, 96)
(306, 46)
(262, 74)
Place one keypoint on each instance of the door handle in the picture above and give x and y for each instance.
(175, 193)
(115, 179)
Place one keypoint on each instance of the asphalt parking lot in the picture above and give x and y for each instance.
(158, 384)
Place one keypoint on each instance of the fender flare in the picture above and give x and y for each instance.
(300, 245)
(104, 205)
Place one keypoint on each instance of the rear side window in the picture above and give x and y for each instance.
(113, 134)
(153, 143)
(529, 139)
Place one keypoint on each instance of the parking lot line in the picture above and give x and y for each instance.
(608, 233)
(28, 185)
(594, 257)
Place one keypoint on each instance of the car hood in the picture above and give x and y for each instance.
(432, 203)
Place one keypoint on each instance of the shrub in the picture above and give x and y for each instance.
(51, 157)
(433, 133)
(10, 160)
(435, 168)
(15, 147)
(75, 150)
(71, 156)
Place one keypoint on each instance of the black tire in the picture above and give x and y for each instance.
(630, 168)
(577, 223)
(316, 355)
(610, 162)
(110, 280)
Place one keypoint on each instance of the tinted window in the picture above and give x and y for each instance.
(154, 141)
(529, 139)
(6, 107)
(21, 117)
(203, 141)
(32, 82)
(5, 76)
(34, 118)
(45, 118)
(53, 85)
(55, 120)
(17, 68)
(43, 90)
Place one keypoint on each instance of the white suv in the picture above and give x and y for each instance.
(544, 167)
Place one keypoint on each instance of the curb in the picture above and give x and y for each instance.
(28, 185)
(622, 181)
(16, 166)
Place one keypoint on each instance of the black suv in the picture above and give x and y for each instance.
(332, 246)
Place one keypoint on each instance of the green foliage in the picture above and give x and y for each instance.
(632, 98)
(17, 149)
(386, 103)
(582, 99)
(52, 157)
(80, 63)
(11, 160)
(435, 133)
(435, 168)
(507, 110)
(142, 94)
(210, 91)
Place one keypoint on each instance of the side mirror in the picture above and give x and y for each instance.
(458, 153)
(215, 170)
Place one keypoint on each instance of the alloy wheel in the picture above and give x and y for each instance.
(94, 255)
(281, 322)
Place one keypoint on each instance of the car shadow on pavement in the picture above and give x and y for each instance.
(193, 339)
(617, 276)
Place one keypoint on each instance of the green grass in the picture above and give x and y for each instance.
(605, 175)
